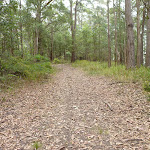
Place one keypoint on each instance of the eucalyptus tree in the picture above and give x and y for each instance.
(130, 36)
(99, 32)
(57, 23)
(109, 48)
(148, 36)
(142, 33)
(115, 18)
(138, 34)
(38, 7)
(73, 23)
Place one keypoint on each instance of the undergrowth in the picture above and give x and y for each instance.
(13, 69)
(60, 61)
(119, 72)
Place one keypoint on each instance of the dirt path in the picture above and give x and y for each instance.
(75, 112)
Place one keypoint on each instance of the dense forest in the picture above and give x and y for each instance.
(93, 30)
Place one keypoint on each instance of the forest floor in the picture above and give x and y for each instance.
(75, 111)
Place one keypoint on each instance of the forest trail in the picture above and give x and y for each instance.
(75, 111)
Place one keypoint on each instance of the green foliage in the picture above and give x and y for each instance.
(14, 68)
(36, 145)
(147, 86)
(39, 58)
(56, 61)
(118, 72)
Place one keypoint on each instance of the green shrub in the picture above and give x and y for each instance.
(14, 68)
(39, 58)
(56, 61)
(147, 86)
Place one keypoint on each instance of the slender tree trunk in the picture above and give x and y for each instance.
(72, 31)
(94, 45)
(36, 42)
(21, 35)
(11, 43)
(11, 36)
(125, 51)
(109, 48)
(142, 34)
(37, 30)
(52, 45)
(116, 42)
(130, 36)
(148, 37)
(73, 28)
(65, 45)
(99, 42)
(138, 34)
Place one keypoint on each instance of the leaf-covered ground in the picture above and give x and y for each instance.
(75, 111)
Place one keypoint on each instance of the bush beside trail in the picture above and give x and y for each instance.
(14, 68)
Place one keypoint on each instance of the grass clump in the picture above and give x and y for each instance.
(118, 72)
(36, 145)
(147, 86)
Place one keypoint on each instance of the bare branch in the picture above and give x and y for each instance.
(47, 4)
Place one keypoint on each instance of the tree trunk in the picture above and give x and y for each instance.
(130, 36)
(11, 43)
(115, 16)
(109, 48)
(73, 28)
(21, 35)
(138, 34)
(148, 37)
(36, 42)
(142, 34)
(99, 44)
(52, 45)
(37, 30)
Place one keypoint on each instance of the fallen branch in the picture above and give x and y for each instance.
(132, 140)
(118, 82)
(108, 106)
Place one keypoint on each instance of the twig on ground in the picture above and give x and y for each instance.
(117, 82)
(108, 106)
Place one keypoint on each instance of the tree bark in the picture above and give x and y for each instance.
(73, 28)
(109, 48)
(138, 34)
(37, 28)
(52, 47)
(116, 42)
(142, 34)
(130, 36)
(148, 37)
(99, 45)
(36, 42)
(21, 35)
